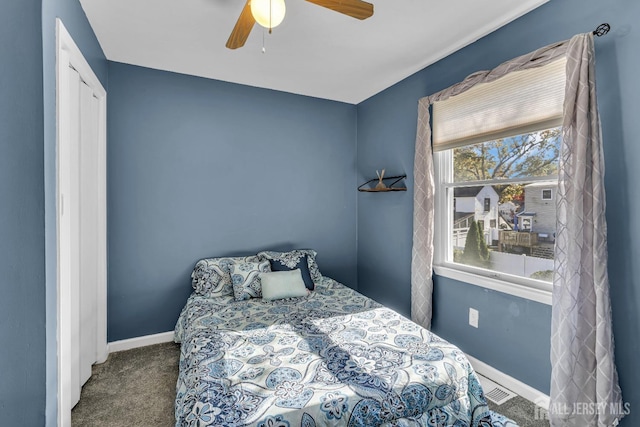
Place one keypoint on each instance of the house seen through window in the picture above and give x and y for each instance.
(501, 219)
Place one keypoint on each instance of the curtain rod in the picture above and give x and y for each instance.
(602, 30)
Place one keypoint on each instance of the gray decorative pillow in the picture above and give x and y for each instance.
(245, 278)
(292, 258)
(283, 284)
(211, 277)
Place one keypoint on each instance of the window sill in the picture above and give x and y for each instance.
(536, 291)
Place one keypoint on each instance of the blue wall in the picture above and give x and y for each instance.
(386, 138)
(22, 298)
(386, 133)
(78, 26)
(200, 168)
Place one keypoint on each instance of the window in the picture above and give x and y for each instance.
(507, 166)
(484, 138)
(525, 224)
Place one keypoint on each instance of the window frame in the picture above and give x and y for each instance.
(550, 194)
(443, 265)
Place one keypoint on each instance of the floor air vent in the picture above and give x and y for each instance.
(495, 392)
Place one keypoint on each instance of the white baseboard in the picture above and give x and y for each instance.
(507, 381)
(146, 340)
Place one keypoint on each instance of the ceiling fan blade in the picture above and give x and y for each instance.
(243, 27)
(356, 8)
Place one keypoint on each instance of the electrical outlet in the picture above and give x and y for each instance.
(473, 317)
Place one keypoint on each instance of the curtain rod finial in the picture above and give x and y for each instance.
(602, 30)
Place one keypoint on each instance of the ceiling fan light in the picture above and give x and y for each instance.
(265, 17)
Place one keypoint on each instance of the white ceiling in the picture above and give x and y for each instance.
(315, 51)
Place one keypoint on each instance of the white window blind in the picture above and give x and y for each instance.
(520, 102)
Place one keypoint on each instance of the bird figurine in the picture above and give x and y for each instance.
(380, 185)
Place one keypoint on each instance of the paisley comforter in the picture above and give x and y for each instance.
(333, 358)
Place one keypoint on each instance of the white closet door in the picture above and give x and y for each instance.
(88, 306)
(81, 222)
(72, 210)
(80, 225)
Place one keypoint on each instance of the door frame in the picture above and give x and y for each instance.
(69, 55)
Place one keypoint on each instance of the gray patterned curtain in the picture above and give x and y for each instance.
(584, 381)
(423, 221)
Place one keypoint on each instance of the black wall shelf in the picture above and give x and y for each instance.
(389, 187)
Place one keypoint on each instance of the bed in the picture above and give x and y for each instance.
(331, 358)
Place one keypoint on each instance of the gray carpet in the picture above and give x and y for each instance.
(132, 388)
(137, 388)
(521, 411)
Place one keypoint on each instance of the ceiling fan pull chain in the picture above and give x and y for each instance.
(263, 48)
(270, 12)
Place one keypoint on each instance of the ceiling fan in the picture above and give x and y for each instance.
(270, 13)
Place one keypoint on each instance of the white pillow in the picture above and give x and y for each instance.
(282, 284)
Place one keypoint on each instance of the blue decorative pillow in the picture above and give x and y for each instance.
(211, 277)
(291, 258)
(245, 278)
(292, 264)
